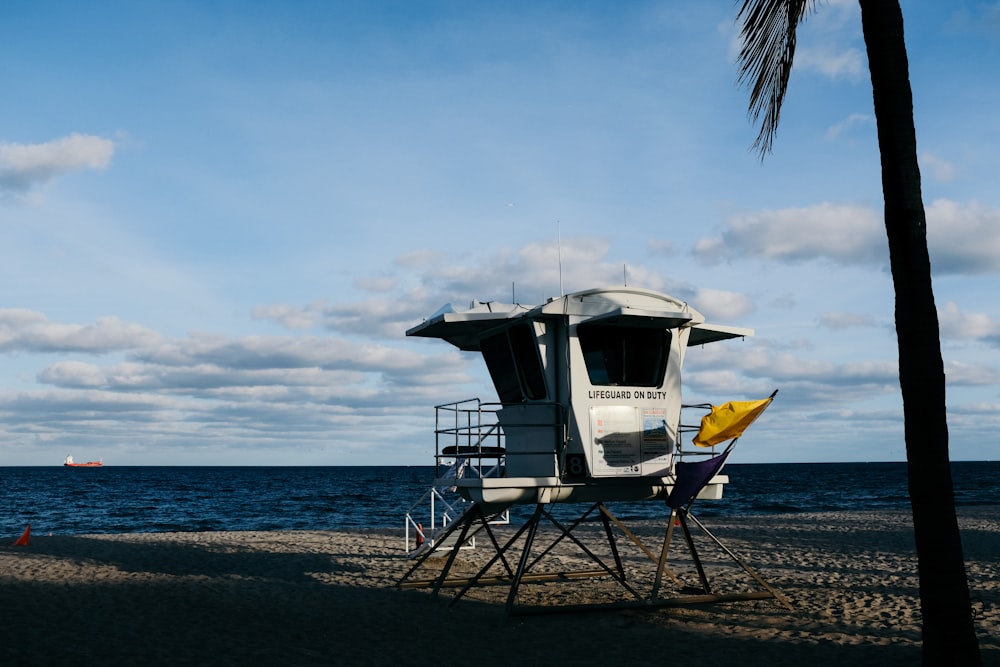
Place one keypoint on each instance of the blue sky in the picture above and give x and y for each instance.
(220, 217)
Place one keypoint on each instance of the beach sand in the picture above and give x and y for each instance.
(331, 598)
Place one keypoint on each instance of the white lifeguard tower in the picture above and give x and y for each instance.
(589, 411)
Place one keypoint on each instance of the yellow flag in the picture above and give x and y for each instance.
(728, 421)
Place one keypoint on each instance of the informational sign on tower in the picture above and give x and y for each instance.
(656, 442)
(628, 440)
(617, 441)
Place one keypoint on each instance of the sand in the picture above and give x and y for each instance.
(331, 598)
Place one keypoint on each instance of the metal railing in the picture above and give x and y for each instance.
(685, 430)
(469, 434)
(442, 512)
(468, 439)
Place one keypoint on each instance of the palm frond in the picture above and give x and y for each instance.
(768, 38)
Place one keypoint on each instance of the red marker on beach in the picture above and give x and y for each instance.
(25, 537)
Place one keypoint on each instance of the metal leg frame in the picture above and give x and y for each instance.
(463, 525)
(523, 572)
(617, 573)
(771, 591)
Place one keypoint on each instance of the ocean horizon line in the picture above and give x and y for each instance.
(431, 465)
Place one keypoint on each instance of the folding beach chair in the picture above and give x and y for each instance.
(722, 423)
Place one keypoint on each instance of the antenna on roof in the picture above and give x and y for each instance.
(513, 299)
(559, 252)
(624, 275)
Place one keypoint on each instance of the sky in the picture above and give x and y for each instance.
(219, 218)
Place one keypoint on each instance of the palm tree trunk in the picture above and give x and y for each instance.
(949, 636)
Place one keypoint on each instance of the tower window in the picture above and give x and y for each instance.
(512, 359)
(621, 355)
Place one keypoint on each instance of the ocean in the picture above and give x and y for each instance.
(120, 499)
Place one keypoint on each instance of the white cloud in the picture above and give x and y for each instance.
(939, 169)
(529, 274)
(721, 305)
(840, 233)
(73, 374)
(756, 367)
(971, 375)
(963, 238)
(965, 326)
(824, 38)
(22, 166)
(831, 61)
(290, 317)
(270, 352)
(846, 125)
(23, 330)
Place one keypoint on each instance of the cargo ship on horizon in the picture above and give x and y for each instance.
(89, 464)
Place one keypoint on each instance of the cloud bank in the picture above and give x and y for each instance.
(962, 238)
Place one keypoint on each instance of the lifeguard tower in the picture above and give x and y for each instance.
(589, 411)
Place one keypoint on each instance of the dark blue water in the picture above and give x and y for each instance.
(156, 499)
